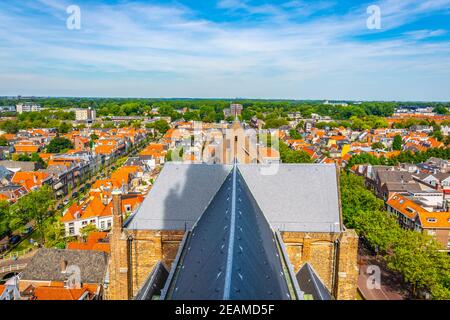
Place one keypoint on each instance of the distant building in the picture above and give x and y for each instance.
(27, 107)
(7, 108)
(85, 115)
(234, 110)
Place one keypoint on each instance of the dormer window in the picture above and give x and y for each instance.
(432, 220)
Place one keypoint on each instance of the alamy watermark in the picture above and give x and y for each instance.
(374, 20)
(73, 22)
(374, 278)
(221, 146)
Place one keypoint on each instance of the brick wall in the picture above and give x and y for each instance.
(332, 255)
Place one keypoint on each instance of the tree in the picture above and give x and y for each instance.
(3, 141)
(288, 155)
(4, 217)
(294, 134)
(54, 233)
(397, 143)
(377, 145)
(416, 256)
(10, 126)
(35, 207)
(59, 145)
(160, 125)
(64, 127)
(87, 230)
(437, 134)
(275, 123)
(441, 110)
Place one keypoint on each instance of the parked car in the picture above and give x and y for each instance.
(27, 231)
(81, 190)
(65, 202)
(75, 195)
(15, 239)
(88, 185)
(60, 206)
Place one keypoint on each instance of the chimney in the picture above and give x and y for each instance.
(117, 211)
(63, 266)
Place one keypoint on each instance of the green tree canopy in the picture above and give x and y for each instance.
(59, 145)
(397, 143)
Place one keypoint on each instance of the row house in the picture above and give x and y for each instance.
(413, 216)
(62, 178)
(154, 154)
(26, 147)
(31, 180)
(97, 211)
(12, 192)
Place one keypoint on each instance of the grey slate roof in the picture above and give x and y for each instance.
(5, 173)
(22, 165)
(46, 265)
(231, 253)
(311, 284)
(299, 197)
(179, 196)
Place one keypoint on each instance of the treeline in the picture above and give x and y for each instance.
(134, 107)
(44, 119)
(403, 157)
(355, 123)
(414, 255)
(287, 155)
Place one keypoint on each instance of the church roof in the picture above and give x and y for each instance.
(295, 197)
(230, 241)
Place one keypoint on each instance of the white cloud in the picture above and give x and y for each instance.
(425, 34)
(169, 49)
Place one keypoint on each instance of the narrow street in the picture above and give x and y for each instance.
(68, 197)
(390, 285)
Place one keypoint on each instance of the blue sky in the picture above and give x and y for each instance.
(290, 49)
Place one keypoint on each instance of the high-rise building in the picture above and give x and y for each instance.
(234, 110)
(27, 107)
(85, 115)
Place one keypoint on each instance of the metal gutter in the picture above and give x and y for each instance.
(175, 263)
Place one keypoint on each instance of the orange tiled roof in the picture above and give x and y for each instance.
(338, 138)
(122, 175)
(58, 293)
(29, 179)
(105, 149)
(92, 243)
(441, 220)
(95, 207)
(46, 156)
(9, 136)
(407, 207)
(26, 148)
